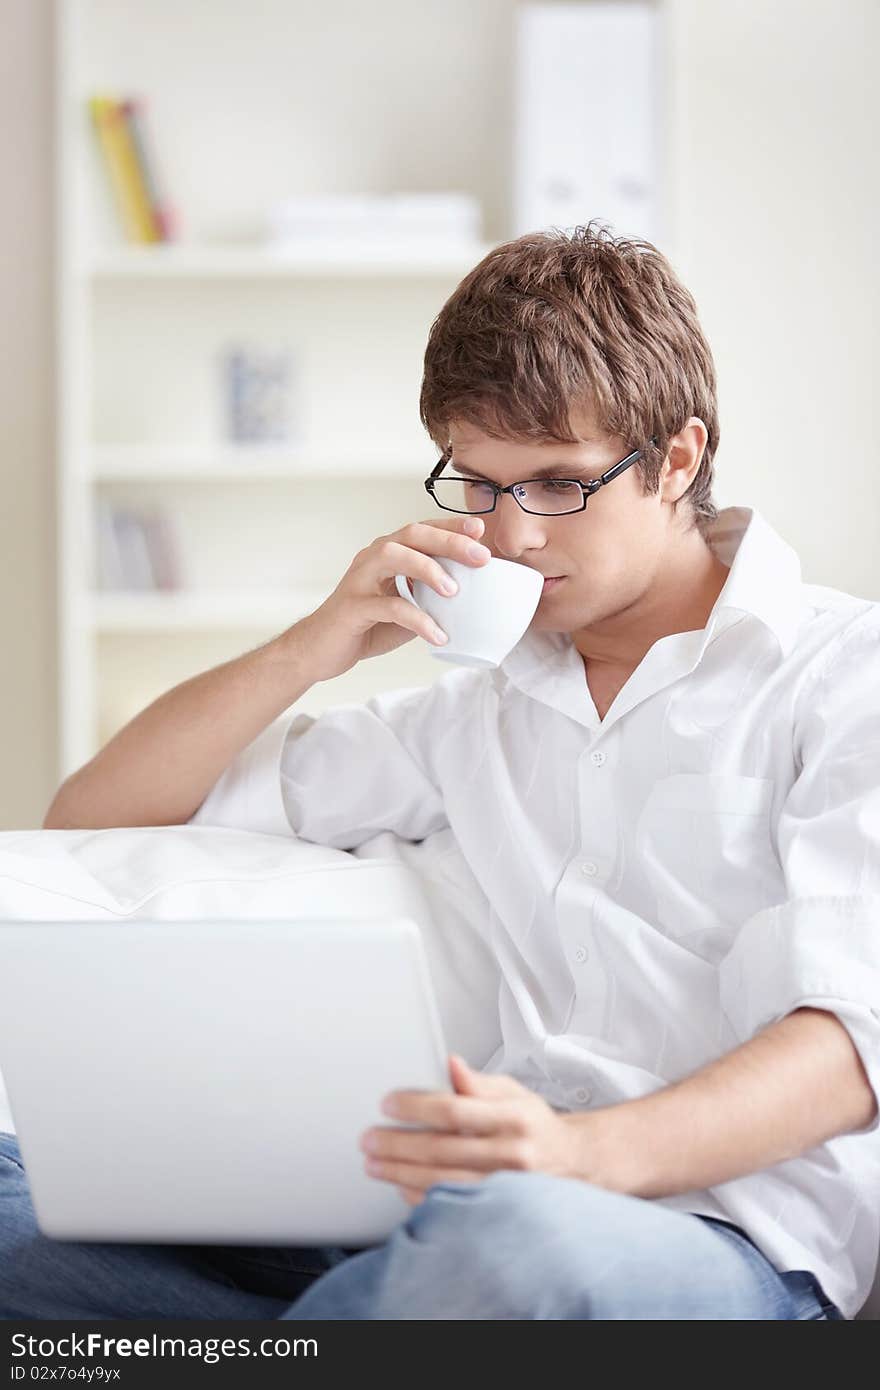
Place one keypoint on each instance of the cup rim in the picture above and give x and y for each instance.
(494, 559)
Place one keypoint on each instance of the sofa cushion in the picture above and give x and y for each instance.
(185, 871)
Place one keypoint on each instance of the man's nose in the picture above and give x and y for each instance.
(514, 531)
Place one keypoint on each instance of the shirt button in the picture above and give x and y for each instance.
(589, 868)
(580, 955)
(597, 758)
(582, 1094)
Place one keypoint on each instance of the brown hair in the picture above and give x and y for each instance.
(558, 320)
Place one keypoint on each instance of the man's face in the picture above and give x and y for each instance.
(608, 554)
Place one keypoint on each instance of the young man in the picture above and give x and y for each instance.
(667, 800)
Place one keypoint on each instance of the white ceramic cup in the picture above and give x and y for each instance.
(486, 618)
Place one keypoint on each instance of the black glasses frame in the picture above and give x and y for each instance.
(587, 489)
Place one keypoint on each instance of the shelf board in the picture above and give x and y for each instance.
(183, 610)
(327, 259)
(109, 463)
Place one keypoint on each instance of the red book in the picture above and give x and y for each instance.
(134, 110)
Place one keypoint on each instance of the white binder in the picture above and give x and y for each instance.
(588, 131)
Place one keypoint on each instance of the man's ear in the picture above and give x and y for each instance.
(683, 459)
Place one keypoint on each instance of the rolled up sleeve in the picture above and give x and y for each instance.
(821, 947)
(248, 794)
(343, 776)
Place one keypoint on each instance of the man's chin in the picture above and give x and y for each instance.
(546, 620)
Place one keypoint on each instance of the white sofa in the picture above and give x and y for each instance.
(191, 871)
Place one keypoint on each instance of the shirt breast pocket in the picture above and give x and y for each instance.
(704, 845)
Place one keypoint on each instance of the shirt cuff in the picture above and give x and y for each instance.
(248, 794)
(822, 953)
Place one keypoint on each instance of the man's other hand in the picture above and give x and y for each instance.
(488, 1122)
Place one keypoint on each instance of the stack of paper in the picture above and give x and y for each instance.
(357, 218)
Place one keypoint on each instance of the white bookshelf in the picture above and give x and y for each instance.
(134, 461)
(218, 611)
(267, 531)
(336, 261)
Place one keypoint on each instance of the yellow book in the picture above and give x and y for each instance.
(123, 168)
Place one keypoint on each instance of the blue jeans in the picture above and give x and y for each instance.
(513, 1245)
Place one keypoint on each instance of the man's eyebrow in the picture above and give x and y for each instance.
(553, 470)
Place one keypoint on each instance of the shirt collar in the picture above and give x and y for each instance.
(764, 583)
(765, 573)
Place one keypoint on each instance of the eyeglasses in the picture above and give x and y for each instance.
(540, 496)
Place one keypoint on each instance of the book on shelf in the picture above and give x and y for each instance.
(137, 550)
(135, 109)
(120, 127)
(163, 550)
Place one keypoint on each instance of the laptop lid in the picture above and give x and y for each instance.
(208, 1081)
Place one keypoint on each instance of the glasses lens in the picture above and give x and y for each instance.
(463, 494)
(549, 495)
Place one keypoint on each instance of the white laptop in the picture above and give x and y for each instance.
(208, 1081)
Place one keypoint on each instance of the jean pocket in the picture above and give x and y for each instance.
(827, 1309)
(808, 1298)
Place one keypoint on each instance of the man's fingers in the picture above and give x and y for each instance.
(413, 1195)
(446, 1110)
(409, 1146)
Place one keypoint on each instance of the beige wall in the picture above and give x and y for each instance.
(777, 196)
(774, 108)
(27, 524)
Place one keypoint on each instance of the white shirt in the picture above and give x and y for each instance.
(658, 885)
